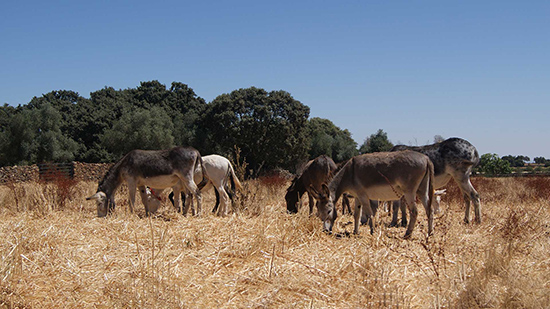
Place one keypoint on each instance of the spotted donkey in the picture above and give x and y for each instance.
(452, 158)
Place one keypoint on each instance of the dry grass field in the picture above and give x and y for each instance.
(56, 253)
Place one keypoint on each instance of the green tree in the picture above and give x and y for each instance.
(516, 161)
(66, 102)
(185, 108)
(328, 139)
(491, 164)
(139, 129)
(269, 128)
(34, 136)
(377, 142)
(49, 143)
(180, 102)
(16, 139)
(6, 112)
(540, 160)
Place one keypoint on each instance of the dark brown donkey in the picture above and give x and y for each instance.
(315, 173)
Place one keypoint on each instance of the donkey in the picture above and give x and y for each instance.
(384, 176)
(452, 158)
(154, 168)
(315, 173)
(221, 176)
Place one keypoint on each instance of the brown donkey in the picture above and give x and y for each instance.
(384, 176)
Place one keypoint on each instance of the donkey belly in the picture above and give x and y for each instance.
(384, 193)
(160, 182)
(441, 180)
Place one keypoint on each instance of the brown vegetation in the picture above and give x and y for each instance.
(56, 253)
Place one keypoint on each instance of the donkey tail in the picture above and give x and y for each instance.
(204, 180)
(430, 186)
(233, 178)
(431, 189)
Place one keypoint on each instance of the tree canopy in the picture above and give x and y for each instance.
(516, 161)
(271, 129)
(492, 164)
(328, 139)
(268, 127)
(376, 142)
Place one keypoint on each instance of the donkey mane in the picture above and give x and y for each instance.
(111, 176)
(336, 185)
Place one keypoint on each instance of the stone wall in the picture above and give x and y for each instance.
(82, 171)
(18, 173)
(90, 171)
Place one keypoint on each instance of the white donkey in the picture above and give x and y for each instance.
(220, 174)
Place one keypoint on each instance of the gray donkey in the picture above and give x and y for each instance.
(153, 168)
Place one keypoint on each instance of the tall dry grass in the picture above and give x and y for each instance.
(56, 253)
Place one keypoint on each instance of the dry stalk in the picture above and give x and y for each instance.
(268, 258)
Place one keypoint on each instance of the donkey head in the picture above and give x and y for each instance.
(437, 200)
(104, 204)
(325, 206)
(292, 197)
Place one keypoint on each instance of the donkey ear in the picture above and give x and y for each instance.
(314, 192)
(96, 196)
(325, 188)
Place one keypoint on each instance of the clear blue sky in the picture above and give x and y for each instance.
(479, 70)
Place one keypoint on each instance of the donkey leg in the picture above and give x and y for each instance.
(217, 201)
(346, 204)
(425, 199)
(144, 199)
(368, 213)
(470, 195)
(403, 208)
(374, 206)
(177, 201)
(311, 203)
(357, 214)
(395, 212)
(131, 195)
(410, 200)
(189, 203)
(194, 193)
(224, 201)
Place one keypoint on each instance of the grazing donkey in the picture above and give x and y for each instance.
(384, 176)
(315, 173)
(154, 168)
(452, 158)
(221, 176)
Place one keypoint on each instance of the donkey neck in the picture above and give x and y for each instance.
(111, 181)
(299, 186)
(340, 183)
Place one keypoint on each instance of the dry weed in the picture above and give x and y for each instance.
(259, 256)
